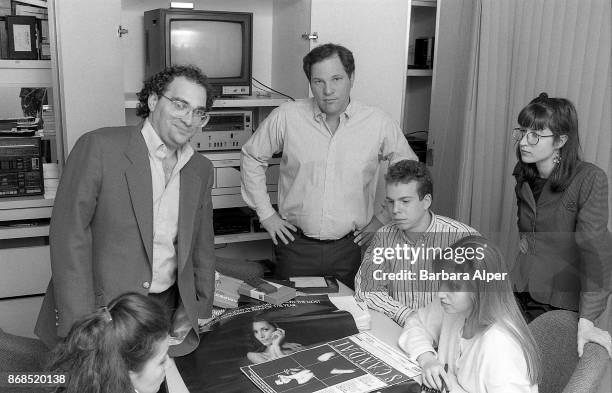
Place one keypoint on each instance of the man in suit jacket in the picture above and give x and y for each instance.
(133, 212)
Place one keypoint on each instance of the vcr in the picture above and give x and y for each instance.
(226, 130)
(21, 171)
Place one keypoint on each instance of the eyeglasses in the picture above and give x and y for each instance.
(181, 108)
(532, 137)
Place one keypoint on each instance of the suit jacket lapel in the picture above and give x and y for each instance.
(138, 177)
(528, 195)
(189, 197)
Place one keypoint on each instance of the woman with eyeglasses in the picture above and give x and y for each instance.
(122, 348)
(565, 248)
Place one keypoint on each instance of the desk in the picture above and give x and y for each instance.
(382, 327)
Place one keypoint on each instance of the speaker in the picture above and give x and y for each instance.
(423, 52)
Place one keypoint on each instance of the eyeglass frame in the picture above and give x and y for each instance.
(525, 133)
(201, 118)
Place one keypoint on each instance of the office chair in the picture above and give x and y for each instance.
(562, 370)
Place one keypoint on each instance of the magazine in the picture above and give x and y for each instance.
(243, 336)
(358, 364)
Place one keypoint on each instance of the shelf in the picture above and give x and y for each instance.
(249, 101)
(23, 232)
(25, 202)
(36, 3)
(42, 64)
(241, 237)
(25, 208)
(131, 101)
(419, 72)
(424, 3)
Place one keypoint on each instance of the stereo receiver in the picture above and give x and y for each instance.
(21, 170)
(226, 130)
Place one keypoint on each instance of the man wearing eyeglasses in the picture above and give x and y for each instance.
(133, 213)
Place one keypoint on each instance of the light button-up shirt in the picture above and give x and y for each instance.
(165, 208)
(328, 181)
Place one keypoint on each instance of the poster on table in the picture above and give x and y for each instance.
(232, 343)
(358, 364)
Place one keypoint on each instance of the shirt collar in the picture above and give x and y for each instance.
(318, 114)
(430, 228)
(432, 223)
(158, 149)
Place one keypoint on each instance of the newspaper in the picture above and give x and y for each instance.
(358, 364)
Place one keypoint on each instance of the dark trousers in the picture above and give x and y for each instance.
(306, 256)
(168, 299)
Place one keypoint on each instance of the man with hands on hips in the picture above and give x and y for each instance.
(332, 147)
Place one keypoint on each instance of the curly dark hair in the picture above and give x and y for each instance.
(410, 170)
(102, 347)
(158, 83)
(323, 52)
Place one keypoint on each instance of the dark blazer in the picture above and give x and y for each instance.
(101, 234)
(569, 260)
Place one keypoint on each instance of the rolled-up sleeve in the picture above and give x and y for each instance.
(254, 157)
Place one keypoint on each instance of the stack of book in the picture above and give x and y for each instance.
(268, 291)
(48, 118)
(226, 291)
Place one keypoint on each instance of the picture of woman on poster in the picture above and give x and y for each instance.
(269, 342)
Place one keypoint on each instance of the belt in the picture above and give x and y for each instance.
(301, 233)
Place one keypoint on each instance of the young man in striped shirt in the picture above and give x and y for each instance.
(396, 274)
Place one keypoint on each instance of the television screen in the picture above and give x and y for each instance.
(214, 46)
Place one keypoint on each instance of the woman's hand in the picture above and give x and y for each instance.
(588, 332)
(433, 372)
(277, 336)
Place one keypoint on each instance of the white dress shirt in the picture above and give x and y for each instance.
(328, 181)
(165, 207)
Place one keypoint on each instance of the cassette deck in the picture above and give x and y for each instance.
(226, 130)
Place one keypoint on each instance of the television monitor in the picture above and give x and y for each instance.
(219, 42)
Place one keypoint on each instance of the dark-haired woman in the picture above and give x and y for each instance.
(121, 348)
(565, 248)
(270, 342)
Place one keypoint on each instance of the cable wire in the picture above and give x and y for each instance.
(276, 91)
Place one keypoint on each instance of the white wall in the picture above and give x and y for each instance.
(133, 43)
(88, 62)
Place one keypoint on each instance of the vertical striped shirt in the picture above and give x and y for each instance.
(397, 298)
